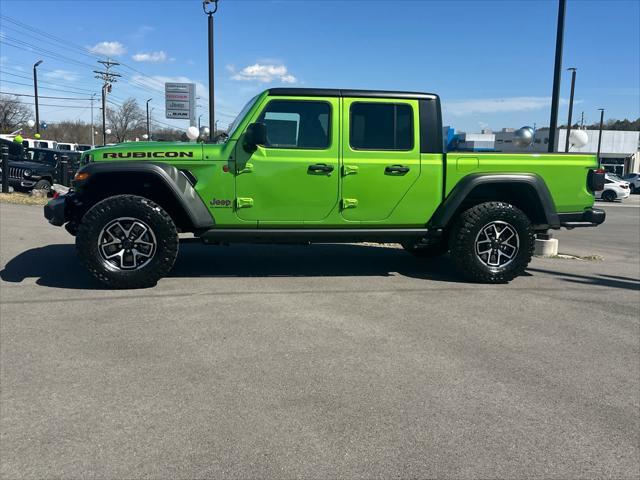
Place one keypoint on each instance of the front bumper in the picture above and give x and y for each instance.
(19, 182)
(55, 211)
(589, 218)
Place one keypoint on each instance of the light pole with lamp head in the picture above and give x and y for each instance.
(210, 7)
(35, 93)
(573, 87)
(557, 73)
(600, 133)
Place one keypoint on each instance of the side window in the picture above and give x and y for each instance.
(381, 126)
(297, 124)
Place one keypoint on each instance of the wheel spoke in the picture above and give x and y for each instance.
(497, 244)
(127, 243)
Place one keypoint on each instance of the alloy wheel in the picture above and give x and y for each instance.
(497, 244)
(127, 243)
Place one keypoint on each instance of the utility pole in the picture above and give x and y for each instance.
(93, 135)
(600, 133)
(108, 78)
(35, 94)
(573, 87)
(148, 128)
(210, 12)
(557, 72)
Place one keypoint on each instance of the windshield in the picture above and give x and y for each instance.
(241, 115)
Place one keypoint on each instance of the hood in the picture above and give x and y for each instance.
(152, 151)
(30, 165)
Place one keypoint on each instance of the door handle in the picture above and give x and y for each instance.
(320, 168)
(396, 170)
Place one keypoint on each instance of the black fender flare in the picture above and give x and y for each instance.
(446, 211)
(177, 183)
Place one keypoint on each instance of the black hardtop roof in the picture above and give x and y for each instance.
(338, 92)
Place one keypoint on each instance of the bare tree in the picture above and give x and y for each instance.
(13, 113)
(125, 119)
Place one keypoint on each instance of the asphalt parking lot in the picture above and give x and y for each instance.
(320, 362)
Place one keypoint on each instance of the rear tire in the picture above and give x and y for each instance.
(127, 241)
(609, 196)
(492, 242)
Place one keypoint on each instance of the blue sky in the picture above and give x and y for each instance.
(491, 62)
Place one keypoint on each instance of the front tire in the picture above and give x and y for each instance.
(127, 241)
(492, 242)
(44, 185)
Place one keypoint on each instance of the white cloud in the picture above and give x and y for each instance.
(264, 73)
(498, 105)
(108, 48)
(60, 74)
(152, 57)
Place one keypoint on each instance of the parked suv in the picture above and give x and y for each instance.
(40, 168)
(323, 165)
(634, 181)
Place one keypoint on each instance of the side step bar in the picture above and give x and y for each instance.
(316, 235)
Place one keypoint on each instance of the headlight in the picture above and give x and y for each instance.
(27, 173)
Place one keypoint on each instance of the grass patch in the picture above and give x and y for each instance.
(22, 199)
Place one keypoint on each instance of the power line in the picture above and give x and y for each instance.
(4, 72)
(49, 105)
(42, 33)
(43, 96)
(44, 88)
(22, 45)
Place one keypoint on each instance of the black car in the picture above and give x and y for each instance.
(40, 168)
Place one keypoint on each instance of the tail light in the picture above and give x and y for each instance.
(624, 185)
(595, 180)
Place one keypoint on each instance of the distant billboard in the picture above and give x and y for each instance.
(180, 101)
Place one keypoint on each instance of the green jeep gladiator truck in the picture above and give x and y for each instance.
(323, 166)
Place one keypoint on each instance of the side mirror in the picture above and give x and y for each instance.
(255, 135)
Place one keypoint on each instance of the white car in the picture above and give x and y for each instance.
(634, 181)
(614, 188)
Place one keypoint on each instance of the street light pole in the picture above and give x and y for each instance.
(210, 12)
(199, 117)
(93, 133)
(148, 128)
(573, 87)
(104, 115)
(35, 93)
(557, 72)
(600, 133)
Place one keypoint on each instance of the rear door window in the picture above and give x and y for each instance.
(381, 126)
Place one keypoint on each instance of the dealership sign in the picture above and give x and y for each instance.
(180, 100)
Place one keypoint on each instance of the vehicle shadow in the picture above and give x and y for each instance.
(57, 265)
(601, 280)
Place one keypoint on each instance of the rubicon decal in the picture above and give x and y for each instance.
(148, 155)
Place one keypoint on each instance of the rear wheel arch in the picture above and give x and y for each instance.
(527, 192)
